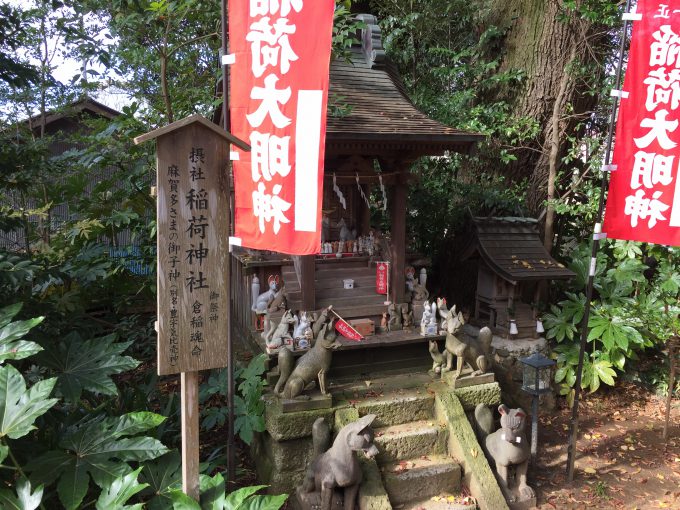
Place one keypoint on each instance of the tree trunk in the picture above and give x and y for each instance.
(541, 36)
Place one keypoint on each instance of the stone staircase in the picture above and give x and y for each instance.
(414, 461)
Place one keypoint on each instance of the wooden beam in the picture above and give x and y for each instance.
(307, 276)
(190, 444)
(398, 245)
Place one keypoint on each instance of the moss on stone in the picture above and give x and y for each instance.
(464, 446)
(489, 394)
(286, 426)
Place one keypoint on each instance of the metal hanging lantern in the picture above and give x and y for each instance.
(536, 374)
(513, 328)
(539, 326)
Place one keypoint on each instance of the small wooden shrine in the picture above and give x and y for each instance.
(512, 262)
(374, 134)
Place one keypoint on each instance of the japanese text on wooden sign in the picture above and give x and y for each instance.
(278, 103)
(192, 250)
(644, 194)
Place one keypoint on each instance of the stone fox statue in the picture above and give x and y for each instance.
(312, 365)
(337, 467)
(507, 446)
(474, 351)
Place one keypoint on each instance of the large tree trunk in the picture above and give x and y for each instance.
(544, 40)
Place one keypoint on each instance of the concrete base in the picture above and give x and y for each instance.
(467, 380)
(515, 501)
(312, 500)
(314, 401)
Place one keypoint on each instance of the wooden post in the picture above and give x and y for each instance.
(398, 245)
(190, 442)
(673, 352)
(307, 276)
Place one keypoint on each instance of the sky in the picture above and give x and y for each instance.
(66, 68)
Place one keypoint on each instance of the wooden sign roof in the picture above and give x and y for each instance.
(512, 248)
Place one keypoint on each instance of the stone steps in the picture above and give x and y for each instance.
(410, 440)
(395, 409)
(419, 479)
(441, 503)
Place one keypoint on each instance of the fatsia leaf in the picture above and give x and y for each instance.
(87, 364)
(97, 449)
(605, 373)
(120, 491)
(181, 501)
(236, 499)
(4, 451)
(11, 345)
(20, 407)
(212, 492)
(265, 502)
(24, 499)
(27, 499)
(162, 475)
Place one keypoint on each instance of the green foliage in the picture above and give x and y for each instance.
(162, 475)
(11, 345)
(19, 406)
(116, 495)
(86, 364)
(213, 497)
(98, 448)
(248, 403)
(634, 307)
(24, 498)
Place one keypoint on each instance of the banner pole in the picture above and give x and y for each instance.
(573, 433)
(231, 454)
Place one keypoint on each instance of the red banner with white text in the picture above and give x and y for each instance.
(279, 92)
(644, 192)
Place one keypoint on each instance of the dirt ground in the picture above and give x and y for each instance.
(622, 459)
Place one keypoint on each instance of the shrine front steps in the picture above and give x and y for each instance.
(413, 459)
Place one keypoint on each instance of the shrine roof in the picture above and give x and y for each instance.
(374, 108)
(512, 248)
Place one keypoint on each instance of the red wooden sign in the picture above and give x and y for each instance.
(644, 193)
(347, 331)
(381, 278)
(279, 93)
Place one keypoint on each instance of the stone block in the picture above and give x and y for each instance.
(410, 440)
(422, 479)
(489, 394)
(285, 426)
(398, 409)
(372, 495)
(288, 455)
(463, 445)
(315, 401)
(285, 483)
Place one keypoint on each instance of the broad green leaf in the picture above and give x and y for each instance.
(604, 372)
(28, 500)
(236, 499)
(97, 449)
(8, 313)
(4, 452)
(24, 499)
(120, 491)
(87, 364)
(265, 502)
(11, 345)
(20, 407)
(181, 501)
(72, 486)
(212, 492)
(162, 475)
(561, 373)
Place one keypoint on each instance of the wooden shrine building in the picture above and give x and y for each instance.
(511, 262)
(374, 134)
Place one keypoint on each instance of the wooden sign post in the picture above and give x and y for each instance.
(192, 181)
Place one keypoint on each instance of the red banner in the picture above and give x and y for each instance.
(381, 277)
(279, 92)
(347, 331)
(644, 194)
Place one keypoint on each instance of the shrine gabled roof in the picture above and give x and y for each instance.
(374, 108)
(512, 248)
